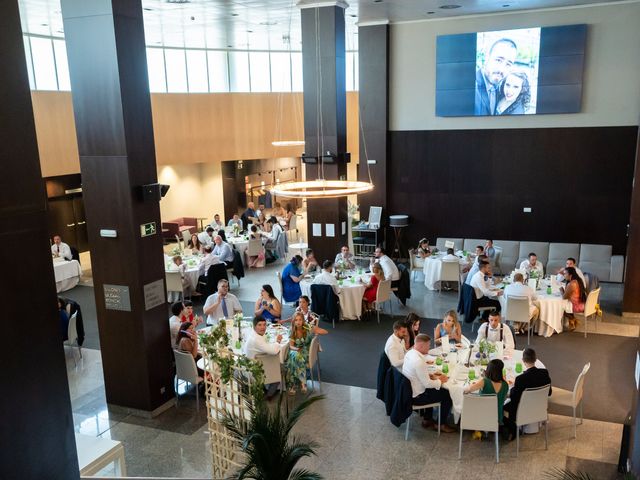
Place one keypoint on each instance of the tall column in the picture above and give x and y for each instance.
(36, 430)
(631, 297)
(325, 118)
(112, 108)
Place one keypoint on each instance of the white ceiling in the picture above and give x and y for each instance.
(267, 24)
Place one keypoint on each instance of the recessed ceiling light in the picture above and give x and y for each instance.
(353, 15)
(229, 46)
(249, 31)
(377, 1)
(450, 7)
(44, 24)
(235, 14)
(148, 9)
(430, 13)
(506, 5)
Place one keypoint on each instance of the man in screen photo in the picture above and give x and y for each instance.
(498, 63)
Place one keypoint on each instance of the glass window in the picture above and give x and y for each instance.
(27, 54)
(296, 71)
(155, 67)
(43, 64)
(280, 72)
(239, 71)
(349, 71)
(260, 72)
(62, 65)
(197, 70)
(218, 71)
(356, 71)
(176, 70)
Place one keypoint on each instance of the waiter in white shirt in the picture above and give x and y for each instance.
(395, 347)
(519, 289)
(257, 344)
(389, 268)
(425, 386)
(485, 295)
(221, 304)
(206, 237)
(326, 277)
(533, 265)
(495, 331)
(59, 249)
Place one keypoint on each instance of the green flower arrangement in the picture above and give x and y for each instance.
(486, 348)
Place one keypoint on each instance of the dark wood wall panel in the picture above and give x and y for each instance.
(475, 183)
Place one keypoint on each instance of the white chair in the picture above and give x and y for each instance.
(589, 309)
(186, 370)
(413, 264)
(517, 310)
(450, 272)
(572, 399)
(253, 249)
(416, 408)
(533, 408)
(479, 412)
(496, 259)
(174, 283)
(72, 337)
(314, 361)
(383, 295)
(272, 369)
(186, 237)
(293, 225)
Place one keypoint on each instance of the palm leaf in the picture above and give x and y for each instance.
(564, 474)
(302, 474)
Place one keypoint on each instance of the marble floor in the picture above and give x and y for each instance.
(354, 436)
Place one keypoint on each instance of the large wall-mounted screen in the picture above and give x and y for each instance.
(510, 72)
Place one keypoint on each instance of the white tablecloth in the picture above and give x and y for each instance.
(432, 269)
(191, 274)
(67, 274)
(350, 297)
(240, 244)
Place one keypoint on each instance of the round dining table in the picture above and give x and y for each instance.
(351, 293)
(433, 267)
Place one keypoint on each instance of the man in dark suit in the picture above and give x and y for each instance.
(532, 377)
(498, 62)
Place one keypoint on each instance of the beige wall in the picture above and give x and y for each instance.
(611, 78)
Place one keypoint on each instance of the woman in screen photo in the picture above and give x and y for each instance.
(514, 94)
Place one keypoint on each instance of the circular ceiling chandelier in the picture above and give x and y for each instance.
(321, 189)
(288, 143)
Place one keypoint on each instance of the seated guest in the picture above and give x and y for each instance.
(188, 315)
(575, 293)
(182, 268)
(475, 267)
(490, 251)
(426, 387)
(371, 288)
(389, 268)
(291, 277)
(221, 304)
(450, 327)
(345, 258)
(450, 256)
(216, 224)
(571, 262)
(261, 210)
(278, 211)
(250, 214)
(326, 277)
(492, 383)
(187, 342)
(63, 319)
(309, 264)
(268, 306)
(532, 265)
(395, 347)
(479, 250)
(495, 331)
(304, 308)
(224, 251)
(255, 261)
(423, 250)
(412, 321)
(59, 249)
(206, 237)
(519, 289)
(273, 234)
(208, 260)
(260, 220)
(177, 310)
(236, 221)
(485, 296)
(288, 215)
(195, 245)
(532, 377)
(257, 344)
(298, 360)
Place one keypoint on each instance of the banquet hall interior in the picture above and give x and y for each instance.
(135, 133)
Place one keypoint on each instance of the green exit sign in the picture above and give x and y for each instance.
(147, 229)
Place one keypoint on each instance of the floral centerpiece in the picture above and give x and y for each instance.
(353, 211)
(485, 348)
(177, 250)
(236, 229)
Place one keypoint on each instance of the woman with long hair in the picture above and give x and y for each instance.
(575, 293)
(449, 326)
(195, 245)
(514, 94)
(299, 341)
(187, 342)
(412, 321)
(371, 288)
(268, 305)
(492, 384)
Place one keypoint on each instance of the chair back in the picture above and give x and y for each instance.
(185, 366)
(174, 281)
(450, 272)
(497, 257)
(533, 405)
(293, 222)
(178, 240)
(215, 273)
(578, 389)
(314, 350)
(517, 309)
(75, 254)
(186, 237)
(324, 301)
(479, 412)
(255, 247)
(72, 330)
(592, 300)
(271, 365)
(414, 260)
(384, 291)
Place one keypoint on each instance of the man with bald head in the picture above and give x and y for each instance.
(223, 250)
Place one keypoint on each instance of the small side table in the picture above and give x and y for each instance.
(299, 246)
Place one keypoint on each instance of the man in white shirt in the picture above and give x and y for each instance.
(485, 295)
(532, 265)
(223, 250)
(450, 256)
(208, 260)
(272, 236)
(425, 386)
(216, 224)
(396, 348)
(59, 249)
(490, 251)
(475, 267)
(519, 289)
(177, 309)
(221, 304)
(206, 237)
(496, 331)
(571, 262)
(257, 344)
(326, 277)
(345, 258)
(235, 221)
(389, 268)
